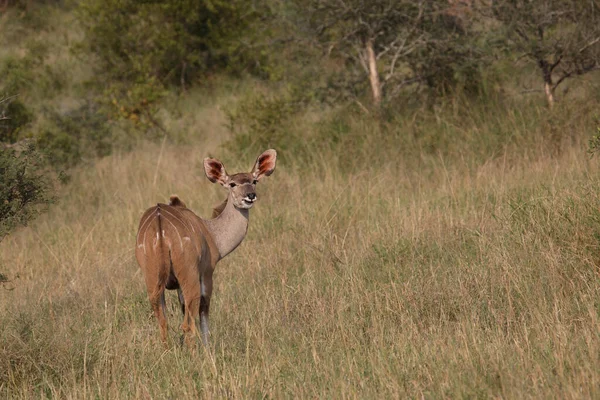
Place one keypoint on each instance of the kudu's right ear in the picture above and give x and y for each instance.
(265, 164)
(215, 171)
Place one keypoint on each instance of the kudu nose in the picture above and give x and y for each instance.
(251, 196)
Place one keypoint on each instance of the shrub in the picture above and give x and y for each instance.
(259, 121)
(25, 189)
(13, 116)
(71, 137)
(22, 74)
(174, 42)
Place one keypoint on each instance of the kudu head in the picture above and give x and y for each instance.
(242, 186)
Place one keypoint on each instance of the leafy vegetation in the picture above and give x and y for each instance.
(24, 188)
(559, 37)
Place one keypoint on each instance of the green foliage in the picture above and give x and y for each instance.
(261, 120)
(413, 133)
(67, 139)
(174, 42)
(13, 116)
(143, 49)
(24, 188)
(17, 73)
(23, 73)
(415, 44)
(559, 37)
(594, 143)
(28, 14)
(452, 56)
(133, 106)
(24, 76)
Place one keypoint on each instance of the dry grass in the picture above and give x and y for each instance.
(457, 282)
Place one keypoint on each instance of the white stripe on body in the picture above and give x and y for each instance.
(176, 230)
(184, 223)
(146, 226)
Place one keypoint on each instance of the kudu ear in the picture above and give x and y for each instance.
(265, 164)
(215, 171)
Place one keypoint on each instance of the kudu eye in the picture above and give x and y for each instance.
(232, 184)
(254, 182)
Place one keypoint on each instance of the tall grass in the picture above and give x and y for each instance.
(448, 254)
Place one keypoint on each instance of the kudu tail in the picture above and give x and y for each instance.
(163, 258)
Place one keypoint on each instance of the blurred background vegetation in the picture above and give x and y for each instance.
(81, 79)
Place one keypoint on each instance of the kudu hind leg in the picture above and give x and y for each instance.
(181, 300)
(156, 294)
(190, 308)
(206, 286)
(182, 305)
(157, 300)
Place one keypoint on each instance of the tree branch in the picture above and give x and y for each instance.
(361, 57)
(582, 71)
(521, 34)
(590, 44)
(397, 56)
(561, 80)
(9, 98)
(555, 64)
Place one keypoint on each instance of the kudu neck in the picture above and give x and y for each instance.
(229, 228)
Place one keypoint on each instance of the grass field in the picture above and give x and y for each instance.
(449, 275)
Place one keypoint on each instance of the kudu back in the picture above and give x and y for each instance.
(178, 250)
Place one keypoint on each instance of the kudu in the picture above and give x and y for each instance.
(176, 249)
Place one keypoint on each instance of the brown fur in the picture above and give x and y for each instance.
(219, 209)
(176, 249)
(175, 201)
(171, 261)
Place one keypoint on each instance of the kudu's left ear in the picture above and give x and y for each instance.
(265, 164)
(215, 171)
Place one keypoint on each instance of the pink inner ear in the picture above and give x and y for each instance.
(215, 169)
(266, 163)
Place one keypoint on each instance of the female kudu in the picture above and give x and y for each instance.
(176, 249)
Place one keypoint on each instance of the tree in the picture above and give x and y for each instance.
(561, 37)
(396, 43)
(373, 35)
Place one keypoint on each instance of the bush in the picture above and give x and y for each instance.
(69, 138)
(259, 121)
(25, 189)
(13, 116)
(174, 42)
(21, 74)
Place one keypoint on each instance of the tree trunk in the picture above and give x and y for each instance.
(548, 85)
(373, 73)
(549, 93)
